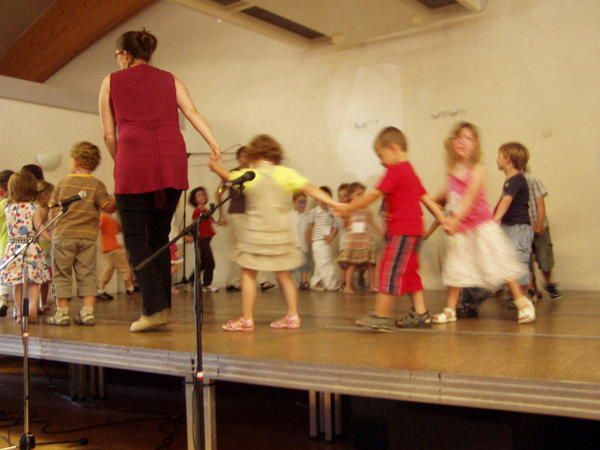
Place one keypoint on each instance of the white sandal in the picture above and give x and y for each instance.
(526, 310)
(446, 316)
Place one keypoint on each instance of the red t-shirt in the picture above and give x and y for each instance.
(205, 230)
(403, 191)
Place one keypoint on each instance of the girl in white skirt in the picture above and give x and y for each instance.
(479, 253)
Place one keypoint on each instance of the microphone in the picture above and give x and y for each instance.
(81, 195)
(248, 176)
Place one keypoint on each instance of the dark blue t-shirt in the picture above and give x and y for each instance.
(518, 212)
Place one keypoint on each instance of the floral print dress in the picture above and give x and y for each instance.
(33, 266)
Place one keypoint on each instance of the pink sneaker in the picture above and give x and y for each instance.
(286, 322)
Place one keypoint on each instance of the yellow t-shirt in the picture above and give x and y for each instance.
(289, 180)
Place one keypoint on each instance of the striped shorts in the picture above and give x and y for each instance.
(399, 266)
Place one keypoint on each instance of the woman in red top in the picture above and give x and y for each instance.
(139, 108)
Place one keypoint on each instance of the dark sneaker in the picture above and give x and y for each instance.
(304, 287)
(85, 319)
(3, 310)
(59, 319)
(553, 292)
(414, 320)
(232, 288)
(376, 322)
(105, 296)
(130, 292)
(466, 311)
(265, 286)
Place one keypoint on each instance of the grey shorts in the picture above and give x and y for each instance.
(543, 252)
(522, 237)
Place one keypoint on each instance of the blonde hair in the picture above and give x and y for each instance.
(87, 155)
(265, 147)
(451, 158)
(517, 153)
(391, 135)
(22, 187)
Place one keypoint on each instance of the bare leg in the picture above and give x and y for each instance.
(452, 296)
(373, 279)
(515, 289)
(62, 304)
(289, 291)
(348, 273)
(248, 283)
(89, 302)
(418, 301)
(304, 277)
(33, 291)
(18, 294)
(44, 290)
(384, 304)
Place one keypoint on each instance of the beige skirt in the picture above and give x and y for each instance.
(481, 257)
(270, 258)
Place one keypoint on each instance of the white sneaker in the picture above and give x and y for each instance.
(210, 288)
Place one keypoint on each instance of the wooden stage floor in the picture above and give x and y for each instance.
(549, 367)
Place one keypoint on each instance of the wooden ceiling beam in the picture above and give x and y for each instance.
(65, 30)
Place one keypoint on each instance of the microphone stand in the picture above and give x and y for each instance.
(198, 375)
(27, 440)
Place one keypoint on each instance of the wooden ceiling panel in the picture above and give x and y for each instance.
(67, 28)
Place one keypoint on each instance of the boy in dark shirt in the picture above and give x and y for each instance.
(512, 211)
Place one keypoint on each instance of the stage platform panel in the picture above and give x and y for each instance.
(551, 366)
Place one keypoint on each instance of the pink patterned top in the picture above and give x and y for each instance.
(480, 211)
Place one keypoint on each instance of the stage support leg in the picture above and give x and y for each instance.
(328, 416)
(72, 383)
(337, 410)
(93, 385)
(210, 414)
(101, 387)
(313, 413)
(189, 414)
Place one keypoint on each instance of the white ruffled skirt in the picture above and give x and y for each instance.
(481, 257)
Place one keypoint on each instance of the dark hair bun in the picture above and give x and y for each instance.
(139, 44)
(147, 41)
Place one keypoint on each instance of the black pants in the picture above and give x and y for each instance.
(207, 262)
(146, 221)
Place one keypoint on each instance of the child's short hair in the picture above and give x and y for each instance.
(44, 186)
(87, 155)
(265, 147)
(391, 135)
(343, 186)
(193, 192)
(34, 170)
(517, 153)
(356, 186)
(239, 151)
(4, 177)
(326, 190)
(297, 195)
(22, 187)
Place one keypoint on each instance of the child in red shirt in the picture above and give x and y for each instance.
(114, 257)
(398, 272)
(199, 199)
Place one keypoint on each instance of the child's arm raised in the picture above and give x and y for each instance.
(215, 165)
(318, 194)
(359, 202)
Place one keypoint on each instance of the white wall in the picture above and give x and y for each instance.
(525, 70)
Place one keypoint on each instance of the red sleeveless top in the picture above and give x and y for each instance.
(151, 153)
